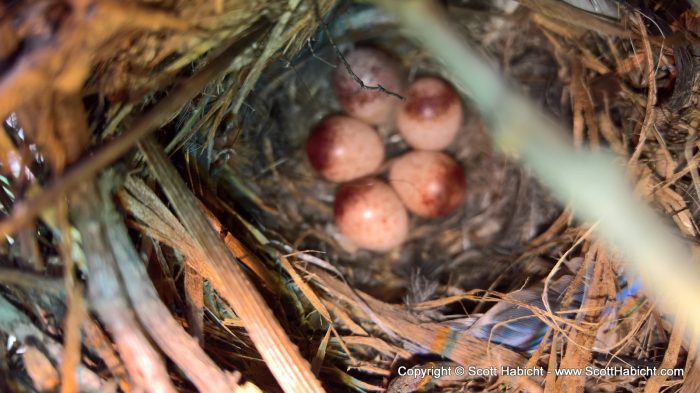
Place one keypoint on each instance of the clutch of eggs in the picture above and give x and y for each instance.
(347, 149)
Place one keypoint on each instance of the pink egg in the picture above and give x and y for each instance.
(369, 213)
(430, 184)
(341, 148)
(431, 115)
(374, 68)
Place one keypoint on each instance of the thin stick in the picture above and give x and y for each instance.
(655, 383)
(648, 123)
(348, 68)
(75, 305)
(143, 362)
(166, 332)
(282, 357)
(30, 280)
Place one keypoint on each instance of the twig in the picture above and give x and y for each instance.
(654, 384)
(651, 93)
(282, 357)
(96, 340)
(688, 151)
(194, 299)
(317, 57)
(142, 361)
(348, 68)
(160, 224)
(168, 334)
(71, 339)
(592, 306)
(577, 99)
(30, 280)
(691, 383)
(75, 304)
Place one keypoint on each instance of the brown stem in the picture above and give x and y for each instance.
(291, 370)
(168, 334)
(142, 361)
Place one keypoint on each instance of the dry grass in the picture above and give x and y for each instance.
(270, 289)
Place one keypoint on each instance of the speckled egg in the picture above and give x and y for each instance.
(431, 115)
(374, 68)
(342, 148)
(430, 184)
(369, 213)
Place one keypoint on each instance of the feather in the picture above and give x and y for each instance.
(518, 328)
(607, 8)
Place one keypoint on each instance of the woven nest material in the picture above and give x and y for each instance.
(504, 208)
(111, 267)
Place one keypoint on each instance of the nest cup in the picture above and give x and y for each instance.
(112, 278)
(502, 210)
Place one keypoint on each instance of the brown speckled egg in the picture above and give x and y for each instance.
(374, 68)
(341, 148)
(369, 213)
(431, 115)
(430, 184)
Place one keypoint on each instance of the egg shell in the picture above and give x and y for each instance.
(431, 115)
(369, 213)
(341, 148)
(374, 68)
(430, 184)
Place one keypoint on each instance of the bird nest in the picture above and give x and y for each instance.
(213, 245)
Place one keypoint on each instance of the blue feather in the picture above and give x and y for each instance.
(520, 329)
